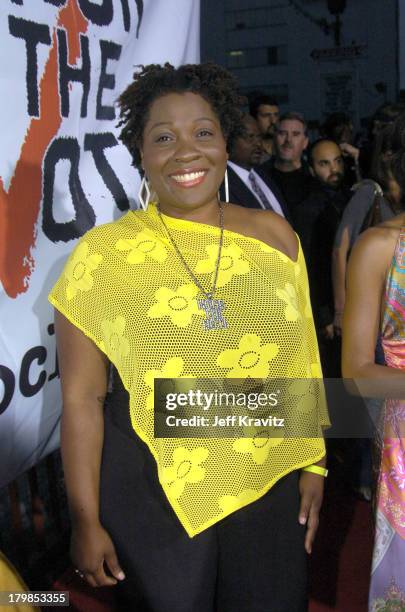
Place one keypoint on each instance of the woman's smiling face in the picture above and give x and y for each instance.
(184, 151)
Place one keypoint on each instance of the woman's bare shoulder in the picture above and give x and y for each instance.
(395, 224)
(265, 225)
(375, 247)
(382, 237)
(281, 230)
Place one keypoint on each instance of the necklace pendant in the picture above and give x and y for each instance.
(214, 318)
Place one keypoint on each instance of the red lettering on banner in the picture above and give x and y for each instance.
(19, 207)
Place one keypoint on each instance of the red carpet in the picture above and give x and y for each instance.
(341, 560)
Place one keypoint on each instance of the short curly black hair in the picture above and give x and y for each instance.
(215, 84)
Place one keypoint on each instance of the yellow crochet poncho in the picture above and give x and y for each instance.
(126, 288)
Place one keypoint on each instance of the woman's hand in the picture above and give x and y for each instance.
(90, 548)
(311, 491)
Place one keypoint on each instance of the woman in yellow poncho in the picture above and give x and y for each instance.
(11, 582)
(189, 287)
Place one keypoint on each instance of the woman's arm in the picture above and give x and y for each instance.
(367, 272)
(349, 150)
(311, 492)
(84, 378)
(277, 231)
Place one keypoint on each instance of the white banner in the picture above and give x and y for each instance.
(63, 64)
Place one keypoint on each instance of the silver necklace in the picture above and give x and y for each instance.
(214, 318)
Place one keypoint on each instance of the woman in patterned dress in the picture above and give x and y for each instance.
(376, 304)
(191, 525)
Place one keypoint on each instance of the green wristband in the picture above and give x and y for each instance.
(316, 469)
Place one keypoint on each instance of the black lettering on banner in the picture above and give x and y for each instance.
(20, 2)
(33, 34)
(109, 50)
(96, 143)
(139, 7)
(99, 14)
(55, 373)
(56, 2)
(27, 388)
(37, 353)
(65, 148)
(8, 379)
(69, 74)
(126, 15)
(102, 14)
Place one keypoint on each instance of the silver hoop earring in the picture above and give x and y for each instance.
(144, 189)
(226, 187)
(226, 183)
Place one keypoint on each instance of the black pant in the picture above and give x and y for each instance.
(251, 561)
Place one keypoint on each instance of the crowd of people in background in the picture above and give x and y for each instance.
(332, 190)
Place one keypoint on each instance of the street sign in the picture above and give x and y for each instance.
(339, 93)
(339, 53)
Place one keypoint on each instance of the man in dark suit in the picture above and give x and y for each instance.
(249, 185)
(265, 110)
(316, 220)
(287, 168)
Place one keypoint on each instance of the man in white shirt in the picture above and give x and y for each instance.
(248, 185)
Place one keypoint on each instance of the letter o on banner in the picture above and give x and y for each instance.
(7, 379)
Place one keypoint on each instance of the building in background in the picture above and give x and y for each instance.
(401, 49)
(311, 60)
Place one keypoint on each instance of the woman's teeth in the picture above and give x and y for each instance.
(185, 178)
